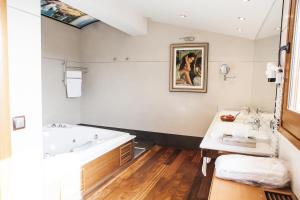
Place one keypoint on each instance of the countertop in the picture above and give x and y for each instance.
(212, 143)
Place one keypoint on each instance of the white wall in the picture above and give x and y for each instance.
(59, 42)
(25, 96)
(126, 80)
(291, 155)
(134, 94)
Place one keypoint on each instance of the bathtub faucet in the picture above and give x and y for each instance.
(96, 137)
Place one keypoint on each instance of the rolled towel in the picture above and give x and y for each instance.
(267, 172)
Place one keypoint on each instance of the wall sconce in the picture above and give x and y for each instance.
(224, 70)
(188, 38)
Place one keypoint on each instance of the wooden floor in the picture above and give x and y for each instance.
(161, 173)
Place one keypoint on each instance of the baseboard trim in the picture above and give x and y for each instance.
(163, 139)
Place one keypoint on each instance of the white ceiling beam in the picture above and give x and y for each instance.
(114, 13)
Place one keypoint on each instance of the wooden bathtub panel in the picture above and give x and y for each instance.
(126, 153)
(94, 172)
(97, 169)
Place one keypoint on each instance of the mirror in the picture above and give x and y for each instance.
(294, 84)
(266, 53)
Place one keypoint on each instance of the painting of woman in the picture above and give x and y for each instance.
(185, 69)
(188, 71)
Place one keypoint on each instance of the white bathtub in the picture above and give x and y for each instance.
(67, 149)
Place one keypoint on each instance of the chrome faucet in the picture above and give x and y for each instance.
(246, 108)
(259, 110)
(255, 124)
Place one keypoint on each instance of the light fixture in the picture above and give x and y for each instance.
(242, 18)
(239, 29)
(246, 0)
(183, 15)
(188, 38)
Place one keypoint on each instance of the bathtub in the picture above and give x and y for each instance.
(67, 148)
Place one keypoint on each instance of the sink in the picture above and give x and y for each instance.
(239, 141)
(239, 130)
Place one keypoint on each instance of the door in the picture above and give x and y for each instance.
(5, 140)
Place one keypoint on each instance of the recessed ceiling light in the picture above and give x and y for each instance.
(242, 18)
(183, 15)
(246, 0)
(239, 29)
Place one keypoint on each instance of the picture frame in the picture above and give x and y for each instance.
(188, 67)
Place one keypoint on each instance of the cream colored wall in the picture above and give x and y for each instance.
(263, 92)
(291, 155)
(126, 80)
(24, 43)
(287, 151)
(134, 94)
(59, 42)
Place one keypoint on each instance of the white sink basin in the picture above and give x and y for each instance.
(238, 130)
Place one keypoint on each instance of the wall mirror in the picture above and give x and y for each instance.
(266, 47)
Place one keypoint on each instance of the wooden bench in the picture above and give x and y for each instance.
(230, 190)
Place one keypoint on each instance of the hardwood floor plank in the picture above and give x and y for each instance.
(201, 184)
(167, 184)
(173, 157)
(162, 173)
(139, 181)
(104, 189)
(198, 157)
(176, 185)
(185, 176)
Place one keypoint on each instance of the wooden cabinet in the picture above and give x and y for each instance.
(94, 172)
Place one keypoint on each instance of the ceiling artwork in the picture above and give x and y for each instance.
(64, 13)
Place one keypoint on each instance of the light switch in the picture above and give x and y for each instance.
(19, 123)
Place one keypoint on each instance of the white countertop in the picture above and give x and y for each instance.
(214, 143)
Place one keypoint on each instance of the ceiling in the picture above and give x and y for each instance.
(219, 16)
(272, 22)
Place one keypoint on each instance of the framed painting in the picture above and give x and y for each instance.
(189, 67)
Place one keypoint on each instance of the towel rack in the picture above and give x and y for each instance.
(70, 67)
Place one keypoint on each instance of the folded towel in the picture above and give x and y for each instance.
(73, 83)
(74, 74)
(267, 172)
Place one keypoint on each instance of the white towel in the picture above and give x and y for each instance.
(268, 172)
(74, 74)
(73, 83)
